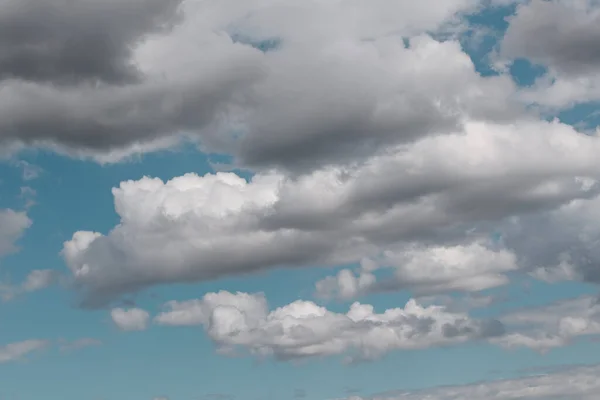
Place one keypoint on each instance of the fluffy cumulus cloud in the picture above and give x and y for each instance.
(133, 319)
(457, 192)
(575, 383)
(426, 270)
(303, 329)
(12, 226)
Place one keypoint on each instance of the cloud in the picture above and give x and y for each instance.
(12, 226)
(29, 171)
(133, 319)
(17, 351)
(59, 41)
(303, 329)
(575, 383)
(456, 190)
(28, 195)
(563, 36)
(39, 279)
(36, 280)
(426, 270)
(553, 325)
(397, 94)
(91, 84)
(567, 249)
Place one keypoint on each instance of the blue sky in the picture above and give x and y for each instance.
(395, 201)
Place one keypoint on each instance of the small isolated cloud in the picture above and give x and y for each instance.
(303, 329)
(133, 319)
(28, 195)
(28, 171)
(12, 226)
(19, 350)
(39, 279)
(36, 280)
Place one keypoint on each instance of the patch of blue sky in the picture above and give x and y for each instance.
(585, 116)
(481, 40)
(265, 45)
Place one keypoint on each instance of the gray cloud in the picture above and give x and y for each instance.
(563, 36)
(19, 350)
(69, 41)
(107, 79)
(12, 226)
(196, 228)
(569, 383)
(36, 280)
(553, 325)
(560, 34)
(303, 329)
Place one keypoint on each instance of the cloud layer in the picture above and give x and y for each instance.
(90, 83)
(575, 383)
(474, 195)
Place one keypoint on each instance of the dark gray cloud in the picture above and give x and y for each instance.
(111, 78)
(68, 41)
(72, 78)
(105, 119)
(561, 34)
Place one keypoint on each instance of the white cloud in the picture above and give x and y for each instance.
(133, 319)
(427, 270)
(454, 191)
(17, 351)
(575, 383)
(554, 325)
(12, 226)
(39, 279)
(304, 329)
(29, 171)
(36, 280)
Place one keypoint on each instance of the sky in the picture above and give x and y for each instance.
(315, 200)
